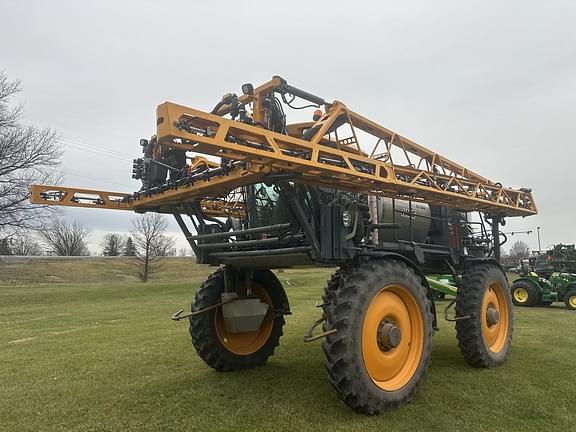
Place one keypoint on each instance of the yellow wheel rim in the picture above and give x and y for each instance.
(495, 333)
(572, 301)
(249, 342)
(391, 369)
(520, 295)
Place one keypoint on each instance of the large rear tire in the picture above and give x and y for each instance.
(485, 337)
(226, 351)
(380, 353)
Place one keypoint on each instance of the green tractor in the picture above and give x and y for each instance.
(547, 278)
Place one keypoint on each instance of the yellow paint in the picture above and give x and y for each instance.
(495, 335)
(391, 370)
(521, 295)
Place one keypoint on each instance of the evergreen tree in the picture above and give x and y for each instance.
(112, 245)
(5, 247)
(129, 248)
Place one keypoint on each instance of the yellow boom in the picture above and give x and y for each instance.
(328, 152)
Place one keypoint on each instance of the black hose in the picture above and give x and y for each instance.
(300, 107)
(217, 107)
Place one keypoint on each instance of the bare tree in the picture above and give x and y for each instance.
(518, 251)
(27, 155)
(112, 245)
(24, 244)
(152, 245)
(65, 239)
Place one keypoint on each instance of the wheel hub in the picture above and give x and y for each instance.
(492, 316)
(388, 335)
(521, 295)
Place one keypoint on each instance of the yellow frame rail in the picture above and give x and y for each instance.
(90, 198)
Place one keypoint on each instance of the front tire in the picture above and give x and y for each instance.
(225, 351)
(379, 356)
(484, 301)
(524, 294)
(570, 299)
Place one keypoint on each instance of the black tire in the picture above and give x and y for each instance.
(203, 327)
(569, 299)
(479, 281)
(349, 296)
(533, 297)
(331, 287)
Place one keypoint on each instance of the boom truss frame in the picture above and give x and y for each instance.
(317, 153)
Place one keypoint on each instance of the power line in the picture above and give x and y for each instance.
(93, 148)
(92, 145)
(96, 151)
(98, 180)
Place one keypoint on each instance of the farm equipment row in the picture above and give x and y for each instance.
(547, 278)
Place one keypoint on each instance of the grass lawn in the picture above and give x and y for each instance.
(104, 356)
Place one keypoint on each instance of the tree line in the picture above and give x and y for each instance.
(30, 155)
(147, 242)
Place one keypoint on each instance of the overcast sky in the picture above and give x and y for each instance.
(491, 85)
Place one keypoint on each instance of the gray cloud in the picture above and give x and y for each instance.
(489, 84)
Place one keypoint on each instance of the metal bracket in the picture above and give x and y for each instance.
(448, 307)
(177, 316)
(308, 336)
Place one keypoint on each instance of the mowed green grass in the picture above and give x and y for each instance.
(104, 356)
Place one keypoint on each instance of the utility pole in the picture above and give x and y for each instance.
(539, 247)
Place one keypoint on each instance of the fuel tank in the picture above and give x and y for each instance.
(391, 210)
